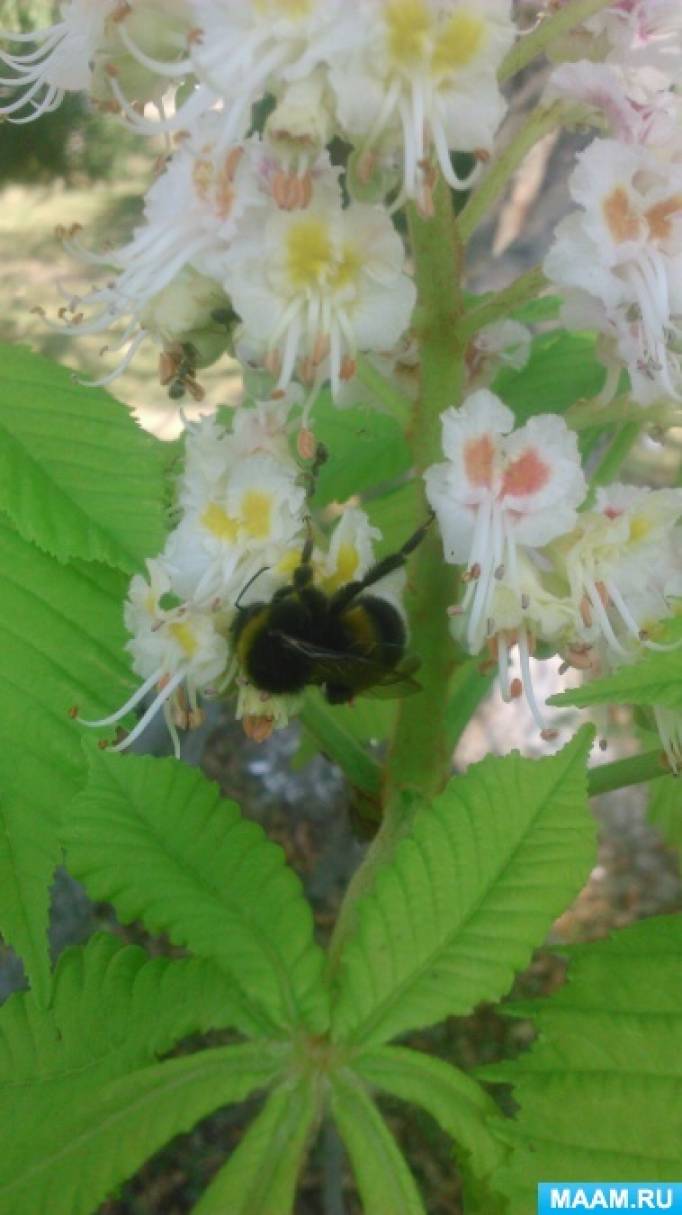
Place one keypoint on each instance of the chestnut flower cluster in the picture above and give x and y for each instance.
(593, 585)
(254, 241)
(242, 523)
(618, 257)
(247, 242)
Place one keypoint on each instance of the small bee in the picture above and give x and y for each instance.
(349, 642)
(178, 371)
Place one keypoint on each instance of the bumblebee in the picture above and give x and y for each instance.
(348, 643)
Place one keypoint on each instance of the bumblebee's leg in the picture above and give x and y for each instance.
(381, 568)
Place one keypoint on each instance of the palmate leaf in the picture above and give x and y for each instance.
(78, 476)
(655, 680)
(155, 838)
(457, 1103)
(600, 1091)
(468, 895)
(82, 1102)
(28, 857)
(383, 1178)
(260, 1176)
(61, 642)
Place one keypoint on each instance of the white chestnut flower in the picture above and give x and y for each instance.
(624, 249)
(618, 562)
(315, 288)
(422, 78)
(61, 61)
(643, 34)
(239, 50)
(501, 495)
(169, 273)
(633, 111)
(180, 649)
(253, 516)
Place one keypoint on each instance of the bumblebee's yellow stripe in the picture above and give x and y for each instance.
(363, 630)
(248, 635)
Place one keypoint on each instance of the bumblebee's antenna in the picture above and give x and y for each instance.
(238, 602)
(320, 458)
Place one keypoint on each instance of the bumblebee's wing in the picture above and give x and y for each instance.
(396, 683)
(330, 664)
(333, 665)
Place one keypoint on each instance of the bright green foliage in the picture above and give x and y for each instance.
(365, 448)
(260, 1176)
(61, 642)
(157, 840)
(469, 894)
(458, 1104)
(655, 680)
(563, 368)
(665, 810)
(385, 1182)
(28, 857)
(83, 1101)
(78, 476)
(600, 1092)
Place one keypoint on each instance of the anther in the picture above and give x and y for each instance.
(516, 689)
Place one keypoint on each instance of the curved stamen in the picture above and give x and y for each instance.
(164, 695)
(135, 699)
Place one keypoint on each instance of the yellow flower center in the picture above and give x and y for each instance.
(256, 512)
(312, 260)
(347, 561)
(415, 36)
(289, 562)
(458, 43)
(284, 8)
(408, 23)
(640, 527)
(309, 252)
(219, 523)
(185, 638)
(346, 269)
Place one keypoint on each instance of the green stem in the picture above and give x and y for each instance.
(363, 772)
(492, 187)
(523, 289)
(420, 758)
(624, 772)
(546, 32)
(386, 392)
(587, 415)
(614, 457)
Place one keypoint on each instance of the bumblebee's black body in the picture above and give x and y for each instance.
(348, 642)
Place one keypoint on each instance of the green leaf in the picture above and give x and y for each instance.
(600, 1091)
(395, 514)
(155, 838)
(260, 1177)
(655, 680)
(383, 1178)
(78, 476)
(80, 1106)
(61, 641)
(563, 368)
(27, 861)
(665, 810)
(468, 895)
(457, 1103)
(365, 447)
